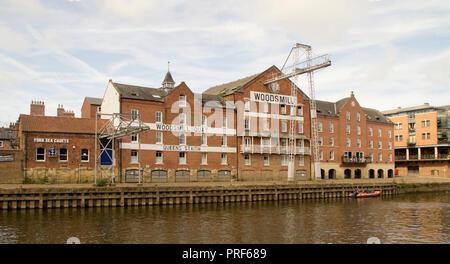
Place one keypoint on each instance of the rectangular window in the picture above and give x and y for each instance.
(182, 100)
(301, 161)
(379, 145)
(134, 138)
(247, 159)
(347, 115)
(182, 158)
(300, 128)
(182, 118)
(331, 141)
(246, 124)
(224, 159)
(204, 138)
(246, 105)
(379, 132)
(1, 144)
(320, 155)
(40, 154)
(159, 157)
(283, 126)
(426, 135)
(299, 110)
(399, 138)
(284, 160)
(283, 109)
(265, 125)
(224, 122)
(331, 155)
(265, 107)
(370, 143)
(389, 133)
(266, 160)
(390, 157)
(266, 142)
(358, 116)
(247, 141)
(182, 139)
(319, 126)
(348, 142)
(203, 120)
(84, 155)
(358, 143)
(380, 156)
(371, 157)
(331, 127)
(159, 137)
(158, 117)
(370, 131)
(390, 145)
(320, 141)
(63, 154)
(425, 123)
(134, 114)
(134, 156)
(224, 141)
(204, 159)
(347, 129)
(358, 130)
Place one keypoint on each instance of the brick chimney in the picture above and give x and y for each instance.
(64, 113)
(37, 108)
(60, 110)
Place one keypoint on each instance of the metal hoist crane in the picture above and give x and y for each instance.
(292, 72)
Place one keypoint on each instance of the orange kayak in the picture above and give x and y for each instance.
(364, 194)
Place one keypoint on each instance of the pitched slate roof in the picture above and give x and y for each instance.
(168, 78)
(57, 124)
(140, 93)
(227, 88)
(325, 108)
(6, 133)
(94, 100)
(374, 115)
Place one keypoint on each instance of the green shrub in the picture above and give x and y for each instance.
(102, 182)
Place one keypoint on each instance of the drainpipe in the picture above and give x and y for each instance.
(236, 137)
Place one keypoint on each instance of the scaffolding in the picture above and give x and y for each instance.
(292, 72)
(116, 126)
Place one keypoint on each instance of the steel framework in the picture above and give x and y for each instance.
(116, 126)
(292, 72)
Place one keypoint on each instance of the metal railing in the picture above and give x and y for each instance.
(258, 149)
(356, 160)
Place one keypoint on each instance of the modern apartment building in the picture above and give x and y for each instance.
(421, 140)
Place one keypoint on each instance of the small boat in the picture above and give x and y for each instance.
(370, 193)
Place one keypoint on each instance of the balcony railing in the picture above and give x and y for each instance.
(258, 149)
(356, 160)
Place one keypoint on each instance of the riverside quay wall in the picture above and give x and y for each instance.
(81, 197)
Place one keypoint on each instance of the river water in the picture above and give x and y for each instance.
(408, 218)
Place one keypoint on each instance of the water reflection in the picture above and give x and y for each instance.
(418, 218)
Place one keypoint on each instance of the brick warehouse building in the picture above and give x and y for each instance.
(422, 144)
(355, 142)
(233, 131)
(263, 127)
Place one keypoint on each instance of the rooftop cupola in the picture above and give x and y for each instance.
(168, 82)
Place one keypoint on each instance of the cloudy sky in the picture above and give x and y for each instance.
(390, 53)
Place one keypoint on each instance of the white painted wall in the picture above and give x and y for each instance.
(110, 103)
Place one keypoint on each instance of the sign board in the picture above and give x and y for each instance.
(51, 140)
(273, 98)
(7, 158)
(52, 152)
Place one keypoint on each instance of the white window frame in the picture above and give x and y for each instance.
(247, 160)
(301, 160)
(299, 110)
(224, 159)
(67, 155)
(284, 160)
(358, 130)
(182, 136)
(204, 158)
(331, 141)
(161, 158)
(182, 119)
(283, 126)
(134, 159)
(265, 107)
(347, 115)
(320, 154)
(160, 137)
(180, 159)
(204, 120)
(371, 144)
(347, 129)
(358, 143)
(331, 127)
(134, 114)
(81, 155)
(379, 132)
(204, 140)
(266, 157)
(1, 144)
(182, 100)
(224, 122)
(45, 156)
(300, 125)
(348, 142)
(320, 126)
(358, 116)
(380, 145)
(136, 138)
(331, 154)
(160, 117)
(370, 131)
(246, 105)
(283, 109)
